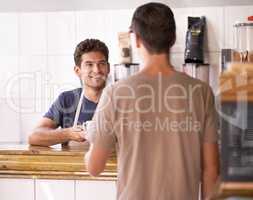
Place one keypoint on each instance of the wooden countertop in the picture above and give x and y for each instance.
(24, 161)
(233, 189)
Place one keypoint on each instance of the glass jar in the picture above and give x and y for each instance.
(243, 39)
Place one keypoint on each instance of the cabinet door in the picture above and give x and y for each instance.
(14, 189)
(95, 190)
(55, 190)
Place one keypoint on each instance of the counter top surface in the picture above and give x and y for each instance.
(225, 190)
(24, 149)
(56, 162)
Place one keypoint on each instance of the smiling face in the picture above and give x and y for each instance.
(93, 70)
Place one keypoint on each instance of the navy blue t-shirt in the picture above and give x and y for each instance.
(63, 110)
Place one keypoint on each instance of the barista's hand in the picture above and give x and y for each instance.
(75, 134)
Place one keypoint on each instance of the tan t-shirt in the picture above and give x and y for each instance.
(158, 124)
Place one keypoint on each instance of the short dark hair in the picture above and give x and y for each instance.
(154, 23)
(90, 45)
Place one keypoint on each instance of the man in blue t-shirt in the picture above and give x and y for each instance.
(92, 67)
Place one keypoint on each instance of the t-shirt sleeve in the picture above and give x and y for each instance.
(211, 119)
(55, 111)
(104, 117)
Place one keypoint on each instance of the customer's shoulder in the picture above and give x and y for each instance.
(130, 80)
(193, 85)
(179, 78)
(188, 80)
(123, 86)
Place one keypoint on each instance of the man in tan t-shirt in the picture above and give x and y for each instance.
(162, 122)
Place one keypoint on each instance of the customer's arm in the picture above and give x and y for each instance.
(96, 158)
(210, 168)
(103, 137)
(210, 150)
(46, 133)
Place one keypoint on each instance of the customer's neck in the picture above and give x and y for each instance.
(157, 63)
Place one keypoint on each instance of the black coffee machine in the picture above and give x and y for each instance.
(236, 114)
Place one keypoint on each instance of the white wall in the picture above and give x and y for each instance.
(66, 5)
(39, 46)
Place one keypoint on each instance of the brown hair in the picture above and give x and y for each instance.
(154, 23)
(90, 45)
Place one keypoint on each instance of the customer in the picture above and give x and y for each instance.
(162, 122)
(92, 67)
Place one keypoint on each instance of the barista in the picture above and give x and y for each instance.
(59, 124)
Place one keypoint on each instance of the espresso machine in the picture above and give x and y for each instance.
(236, 108)
(236, 122)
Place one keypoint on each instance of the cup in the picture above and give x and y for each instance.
(89, 128)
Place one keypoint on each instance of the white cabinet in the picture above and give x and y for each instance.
(95, 190)
(14, 189)
(55, 190)
(38, 189)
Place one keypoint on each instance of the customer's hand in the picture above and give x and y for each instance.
(75, 134)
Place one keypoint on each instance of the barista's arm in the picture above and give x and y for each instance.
(210, 150)
(46, 133)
